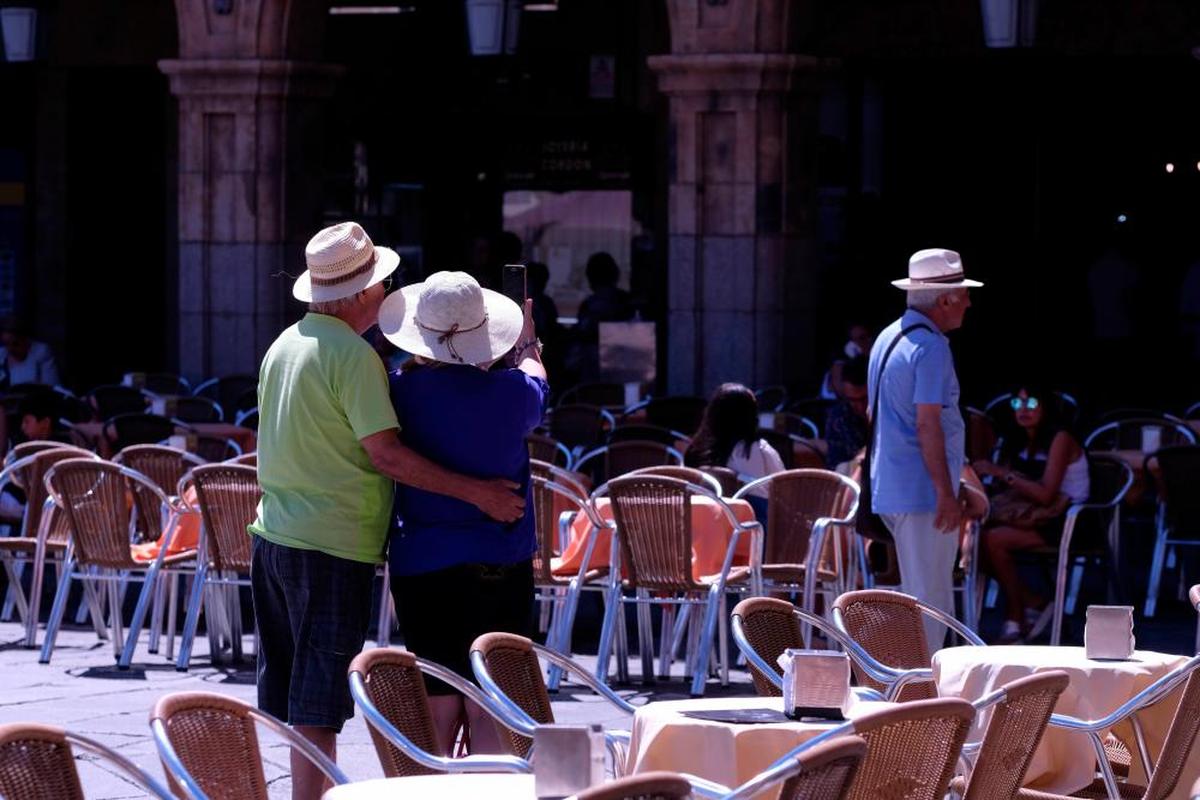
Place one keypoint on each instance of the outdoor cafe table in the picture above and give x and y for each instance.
(710, 537)
(463, 786)
(665, 738)
(1065, 761)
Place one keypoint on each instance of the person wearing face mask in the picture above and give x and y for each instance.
(1041, 470)
(918, 434)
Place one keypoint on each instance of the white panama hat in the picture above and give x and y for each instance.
(342, 261)
(935, 269)
(450, 318)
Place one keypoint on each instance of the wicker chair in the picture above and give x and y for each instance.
(507, 667)
(646, 786)
(1018, 721)
(389, 686)
(216, 448)
(808, 510)
(165, 466)
(911, 751)
(689, 474)
(797, 425)
(1167, 773)
(245, 459)
(580, 427)
(552, 487)
(549, 450)
(124, 430)
(614, 460)
(772, 398)
(43, 535)
(1176, 472)
(647, 433)
(679, 413)
(197, 409)
(93, 496)
(1194, 597)
(37, 763)
(247, 418)
(114, 399)
(227, 496)
(1129, 434)
(730, 482)
(653, 541)
(890, 627)
(166, 383)
(228, 391)
(208, 744)
(825, 771)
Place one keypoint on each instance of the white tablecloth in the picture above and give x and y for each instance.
(1065, 761)
(725, 752)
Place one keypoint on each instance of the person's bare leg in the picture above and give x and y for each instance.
(485, 734)
(446, 710)
(308, 782)
(1001, 543)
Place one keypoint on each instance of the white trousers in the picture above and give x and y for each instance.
(926, 557)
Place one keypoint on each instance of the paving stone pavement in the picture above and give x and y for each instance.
(81, 689)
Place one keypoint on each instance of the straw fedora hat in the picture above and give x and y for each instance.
(342, 261)
(451, 318)
(935, 269)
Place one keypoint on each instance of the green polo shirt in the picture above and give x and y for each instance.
(321, 389)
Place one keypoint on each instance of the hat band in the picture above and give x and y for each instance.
(953, 277)
(352, 274)
(447, 335)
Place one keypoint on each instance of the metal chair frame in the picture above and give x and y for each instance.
(820, 529)
(713, 598)
(131, 770)
(1164, 545)
(1194, 598)
(113, 579)
(603, 450)
(693, 474)
(218, 413)
(242, 416)
(1166, 422)
(1063, 601)
(896, 679)
(559, 447)
(473, 763)
(173, 764)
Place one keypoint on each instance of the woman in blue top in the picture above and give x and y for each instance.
(455, 572)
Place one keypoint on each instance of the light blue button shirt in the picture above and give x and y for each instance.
(920, 370)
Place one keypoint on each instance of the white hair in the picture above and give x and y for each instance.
(333, 307)
(926, 299)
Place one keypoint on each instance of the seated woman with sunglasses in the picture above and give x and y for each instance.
(1041, 471)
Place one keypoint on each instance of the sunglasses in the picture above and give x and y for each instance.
(1030, 403)
(387, 284)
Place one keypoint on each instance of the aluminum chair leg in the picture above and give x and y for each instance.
(543, 601)
(1076, 581)
(612, 607)
(666, 639)
(711, 609)
(57, 610)
(645, 636)
(723, 638)
(81, 613)
(114, 618)
(156, 616)
(622, 644)
(235, 605)
(677, 635)
(172, 612)
(35, 596)
(192, 620)
(383, 625)
(95, 600)
(1060, 597)
(15, 597)
(1156, 567)
(992, 594)
(565, 627)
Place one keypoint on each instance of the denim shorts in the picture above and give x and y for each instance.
(312, 611)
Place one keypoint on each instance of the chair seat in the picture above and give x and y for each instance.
(591, 576)
(1119, 757)
(1128, 791)
(783, 573)
(169, 561)
(20, 544)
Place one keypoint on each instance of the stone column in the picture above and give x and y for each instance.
(234, 120)
(742, 140)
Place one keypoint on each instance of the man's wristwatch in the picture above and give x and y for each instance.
(521, 347)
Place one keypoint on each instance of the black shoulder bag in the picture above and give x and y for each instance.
(868, 523)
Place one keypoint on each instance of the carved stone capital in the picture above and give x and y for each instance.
(250, 78)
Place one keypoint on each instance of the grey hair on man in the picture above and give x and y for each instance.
(926, 299)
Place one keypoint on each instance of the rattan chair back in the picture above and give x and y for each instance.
(1013, 733)
(216, 740)
(23, 449)
(30, 478)
(161, 464)
(623, 458)
(198, 409)
(689, 474)
(772, 398)
(644, 433)
(548, 449)
(93, 496)
(1181, 738)
(654, 526)
(889, 626)
(796, 500)
(228, 496)
(36, 763)
(114, 399)
(246, 459)
(124, 430)
(827, 771)
(780, 443)
(770, 627)
(578, 425)
(549, 492)
(216, 448)
(912, 749)
(646, 786)
(679, 413)
(730, 482)
(396, 687)
(513, 665)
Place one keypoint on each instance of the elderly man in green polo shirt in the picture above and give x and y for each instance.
(328, 452)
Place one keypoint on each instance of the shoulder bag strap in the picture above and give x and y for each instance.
(879, 380)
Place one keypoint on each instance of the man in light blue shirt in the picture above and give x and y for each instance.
(918, 451)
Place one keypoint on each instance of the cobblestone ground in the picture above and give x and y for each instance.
(81, 689)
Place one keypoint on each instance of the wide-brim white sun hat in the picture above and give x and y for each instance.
(935, 269)
(451, 318)
(342, 261)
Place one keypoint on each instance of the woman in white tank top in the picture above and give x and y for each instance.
(728, 437)
(1042, 469)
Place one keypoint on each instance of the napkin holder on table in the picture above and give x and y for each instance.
(1108, 632)
(816, 683)
(567, 759)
